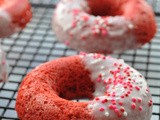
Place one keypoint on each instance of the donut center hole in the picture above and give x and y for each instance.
(104, 8)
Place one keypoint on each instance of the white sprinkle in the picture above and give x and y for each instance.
(125, 114)
(130, 26)
(102, 67)
(106, 114)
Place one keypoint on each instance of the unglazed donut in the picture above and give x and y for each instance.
(14, 15)
(117, 91)
(104, 26)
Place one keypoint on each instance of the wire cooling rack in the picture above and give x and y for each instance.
(37, 43)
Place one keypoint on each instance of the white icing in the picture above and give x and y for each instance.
(100, 66)
(3, 66)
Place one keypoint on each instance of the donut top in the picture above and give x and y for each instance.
(78, 12)
(117, 26)
(119, 89)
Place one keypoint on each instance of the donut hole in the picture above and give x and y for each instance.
(73, 90)
(104, 8)
(71, 80)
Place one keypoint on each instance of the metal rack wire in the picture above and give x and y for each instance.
(37, 44)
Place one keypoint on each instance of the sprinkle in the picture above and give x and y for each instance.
(125, 114)
(120, 103)
(139, 100)
(97, 99)
(133, 99)
(110, 107)
(76, 11)
(137, 88)
(150, 103)
(85, 18)
(133, 105)
(101, 109)
(104, 32)
(140, 108)
(106, 114)
(122, 109)
(104, 101)
(116, 110)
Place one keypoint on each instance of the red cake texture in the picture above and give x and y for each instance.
(43, 94)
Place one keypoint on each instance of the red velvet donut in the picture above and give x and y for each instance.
(14, 15)
(117, 91)
(106, 26)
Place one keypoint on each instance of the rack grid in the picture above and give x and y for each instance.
(37, 44)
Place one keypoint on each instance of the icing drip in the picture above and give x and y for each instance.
(120, 91)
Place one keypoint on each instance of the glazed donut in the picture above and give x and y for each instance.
(104, 26)
(117, 91)
(14, 15)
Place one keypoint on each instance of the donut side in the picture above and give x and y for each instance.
(143, 19)
(45, 93)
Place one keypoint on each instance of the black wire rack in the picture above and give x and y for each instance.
(37, 44)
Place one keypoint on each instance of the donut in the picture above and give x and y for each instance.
(14, 15)
(3, 66)
(104, 26)
(116, 90)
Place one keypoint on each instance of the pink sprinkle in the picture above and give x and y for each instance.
(114, 106)
(76, 11)
(74, 23)
(115, 64)
(104, 101)
(137, 88)
(110, 107)
(122, 109)
(122, 96)
(140, 108)
(101, 109)
(116, 110)
(96, 98)
(99, 79)
(104, 32)
(133, 105)
(139, 100)
(120, 103)
(67, 42)
(85, 18)
(133, 99)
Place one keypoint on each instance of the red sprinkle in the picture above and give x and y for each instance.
(101, 109)
(122, 109)
(137, 88)
(133, 105)
(96, 98)
(139, 100)
(120, 103)
(133, 99)
(140, 108)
